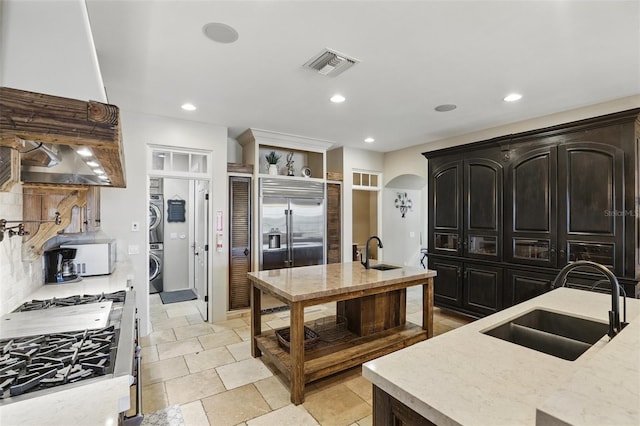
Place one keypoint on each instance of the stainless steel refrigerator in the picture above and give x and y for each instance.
(292, 223)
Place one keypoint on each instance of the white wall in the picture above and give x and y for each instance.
(176, 238)
(121, 206)
(402, 234)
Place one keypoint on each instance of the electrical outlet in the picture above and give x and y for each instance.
(135, 226)
(134, 249)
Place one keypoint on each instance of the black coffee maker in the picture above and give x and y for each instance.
(59, 266)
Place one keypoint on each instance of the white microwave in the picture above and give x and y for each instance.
(94, 258)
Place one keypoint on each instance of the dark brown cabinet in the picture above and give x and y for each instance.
(505, 215)
(466, 204)
(563, 198)
(471, 288)
(521, 285)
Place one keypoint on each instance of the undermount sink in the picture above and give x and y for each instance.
(553, 333)
(383, 267)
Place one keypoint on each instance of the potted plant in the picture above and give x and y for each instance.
(272, 161)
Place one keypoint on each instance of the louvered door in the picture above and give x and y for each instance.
(240, 241)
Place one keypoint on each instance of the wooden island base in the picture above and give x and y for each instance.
(326, 359)
(376, 299)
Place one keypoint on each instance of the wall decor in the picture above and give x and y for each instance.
(176, 211)
(403, 203)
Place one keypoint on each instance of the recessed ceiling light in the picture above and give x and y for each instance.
(188, 107)
(222, 33)
(98, 171)
(92, 164)
(337, 98)
(369, 140)
(445, 107)
(512, 97)
(84, 152)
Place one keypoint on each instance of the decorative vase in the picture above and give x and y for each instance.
(273, 169)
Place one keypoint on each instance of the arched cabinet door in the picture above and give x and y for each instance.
(566, 204)
(445, 192)
(591, 202)
(482, 209)
(530, 222)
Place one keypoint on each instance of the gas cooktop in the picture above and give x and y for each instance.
(29, 364)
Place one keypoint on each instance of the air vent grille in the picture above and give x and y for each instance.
(330, 63)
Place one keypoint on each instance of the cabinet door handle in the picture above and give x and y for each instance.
(246, 252)
(562, 253)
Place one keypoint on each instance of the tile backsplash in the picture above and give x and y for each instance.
(18, 279)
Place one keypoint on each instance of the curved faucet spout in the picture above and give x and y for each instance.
(366, 251)
(614, 314)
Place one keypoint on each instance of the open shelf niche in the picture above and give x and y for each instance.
(307, 152)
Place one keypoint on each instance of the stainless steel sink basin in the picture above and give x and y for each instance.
(556, 334)
(383, 267)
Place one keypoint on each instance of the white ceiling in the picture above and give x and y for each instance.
(414, 56)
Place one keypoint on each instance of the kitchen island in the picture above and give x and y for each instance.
(373, 301)
(467, 377)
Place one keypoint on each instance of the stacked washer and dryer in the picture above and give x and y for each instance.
(156, 236)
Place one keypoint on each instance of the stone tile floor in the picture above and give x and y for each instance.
(208, 370)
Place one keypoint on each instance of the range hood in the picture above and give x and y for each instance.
(62, 140)
(59, 164)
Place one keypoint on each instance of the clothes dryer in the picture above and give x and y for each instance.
(156, 260)
(156, 218)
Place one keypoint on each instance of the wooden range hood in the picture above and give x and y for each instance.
(28, 116)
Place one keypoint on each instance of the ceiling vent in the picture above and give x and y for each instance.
(330, 63)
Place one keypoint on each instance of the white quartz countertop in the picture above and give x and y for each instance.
(88, 285)
(466, 377)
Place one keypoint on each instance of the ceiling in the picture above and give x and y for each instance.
(414, 55)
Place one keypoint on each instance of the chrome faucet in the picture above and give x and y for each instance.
(366, 251)
(614, 314)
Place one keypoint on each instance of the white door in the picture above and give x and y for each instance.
(201, 246)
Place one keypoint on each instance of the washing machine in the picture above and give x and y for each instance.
(156, 259)
(156, 218)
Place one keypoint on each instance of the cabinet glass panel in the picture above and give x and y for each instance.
(198, 163)
(180, 162)
(158, 160)
(483, 245)
(599, 253)
(357, 180)
(446, 241)
(531, 249)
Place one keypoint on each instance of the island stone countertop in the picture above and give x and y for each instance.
(466, 377)
(312, 282)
